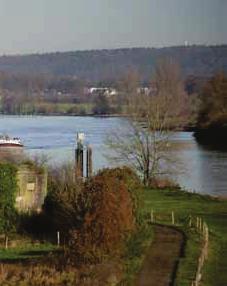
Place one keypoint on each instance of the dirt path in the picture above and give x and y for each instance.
(160, 265)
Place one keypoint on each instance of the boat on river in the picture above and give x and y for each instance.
(6, 141)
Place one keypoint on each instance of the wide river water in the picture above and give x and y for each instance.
(203, 171)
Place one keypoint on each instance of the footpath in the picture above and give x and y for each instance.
(160, 264)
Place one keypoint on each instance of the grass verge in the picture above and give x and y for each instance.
(26, 252)
(213, 211)
(136, 248)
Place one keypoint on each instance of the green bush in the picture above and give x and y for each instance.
(8, 190)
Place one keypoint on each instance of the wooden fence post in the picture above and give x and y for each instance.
(173, 218)
(58, 238)
(6, 241)
(197, 222)
(190, 221)
(152, 216)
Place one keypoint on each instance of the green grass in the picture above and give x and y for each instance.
(67, 108)
(213, 211)
(135, 252)
(26, 252)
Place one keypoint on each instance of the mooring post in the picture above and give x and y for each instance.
(79, 164)
(89, 165)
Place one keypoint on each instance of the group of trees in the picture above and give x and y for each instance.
(212, 115)
(37, 94)
(144, 143)
(213, 108)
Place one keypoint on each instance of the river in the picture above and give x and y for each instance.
(205, 171)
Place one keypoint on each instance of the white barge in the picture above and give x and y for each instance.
(6, 141)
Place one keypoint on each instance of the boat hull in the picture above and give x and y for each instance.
(11, 145)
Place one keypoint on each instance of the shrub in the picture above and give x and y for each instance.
(133, 183)
(61, 205)
(107, 211)
(8, 189)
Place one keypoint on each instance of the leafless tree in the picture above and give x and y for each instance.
(144, 143)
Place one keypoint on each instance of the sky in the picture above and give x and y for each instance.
(38, 26)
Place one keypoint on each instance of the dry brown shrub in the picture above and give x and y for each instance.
(36, 275)
(108, 218)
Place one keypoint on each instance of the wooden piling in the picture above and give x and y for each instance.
(89, 165)
(79, 161)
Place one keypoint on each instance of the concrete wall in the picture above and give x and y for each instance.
(32, 188)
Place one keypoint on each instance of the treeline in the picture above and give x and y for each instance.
(39, 94)
(26, 94)
(54, 95)
(212, 114)
(110, 65)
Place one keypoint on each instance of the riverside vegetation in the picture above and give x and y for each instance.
(104, 241)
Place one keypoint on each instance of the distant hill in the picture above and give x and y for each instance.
(108, 65)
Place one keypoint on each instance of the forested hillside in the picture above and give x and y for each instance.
(108, 65)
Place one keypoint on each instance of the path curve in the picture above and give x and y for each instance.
(160, 264)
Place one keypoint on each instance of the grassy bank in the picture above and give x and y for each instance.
(135, 252)
(26, 252)
(213, 211)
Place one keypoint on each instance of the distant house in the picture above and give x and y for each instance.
(107, 91)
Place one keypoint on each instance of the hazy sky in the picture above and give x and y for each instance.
(28, 26)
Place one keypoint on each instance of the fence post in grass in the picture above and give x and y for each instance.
(190, 221)
(197, 222)
(206, 240)
(58, 238)
(152, 216)
(173, 218)
(6, 241)
(201, 225)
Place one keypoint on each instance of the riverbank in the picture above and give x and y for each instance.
(213, 137)
(66, 114)
(210, 209)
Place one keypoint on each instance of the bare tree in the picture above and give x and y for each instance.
(144, 143)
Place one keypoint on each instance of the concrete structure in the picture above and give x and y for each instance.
(32, 180)
(32, 188)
